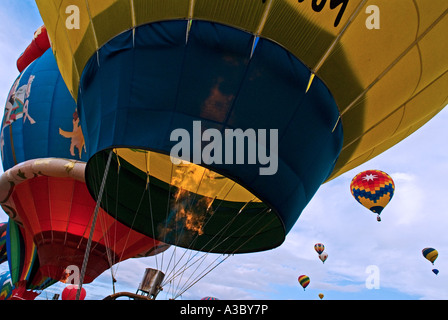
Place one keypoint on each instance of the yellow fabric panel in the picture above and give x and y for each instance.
(83, 51)
(245, 15)
(158, 10)
(187, 176)
(108, 23)
(379, 133)
(433, 49)
(428, 12)
(382, 98)
(417, 108)
(304, 32)
(370, 52)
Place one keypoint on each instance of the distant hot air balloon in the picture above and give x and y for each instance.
(3, 253)
(323, 256)
(209, 298)
(70, 292)
(304, 281)
(436, 271)
(24, 265)
(321, 296)
(319, 247)
(6, 285)
(430, 254)
(373, 189)
(309, 69)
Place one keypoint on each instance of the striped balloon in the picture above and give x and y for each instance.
(3, 255)
(5, 285)
(431, 254)
(304, 281)
(373, 189)
(209, 298)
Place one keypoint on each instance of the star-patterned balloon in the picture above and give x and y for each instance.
(373, 189)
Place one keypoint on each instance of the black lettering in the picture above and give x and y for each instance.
(318, 7)
(334, 4)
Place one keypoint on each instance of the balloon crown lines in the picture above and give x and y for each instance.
(212, 146)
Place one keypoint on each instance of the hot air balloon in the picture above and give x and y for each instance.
(373, 189)
(43, 188)
(430, 254)
(321, 296)
(70, 293)
(24, 266)
(323, 256)
(333, 100)
(209, 298)
(319, 247)
(5, 285)
(436, 271)
(3, 252)
(304, 281)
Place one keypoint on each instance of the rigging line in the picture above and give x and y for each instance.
(168, 208)
(222, 260)
(131, 227)
(190, 202)
(96, 180)
(89, 242)
(133, 220)
(69, 215)
(228, 224)
(259, 231)
(211, 266)
(217, 242)
(116, 211)
(184, 267)
(202, 277)
(168, 203)
(105, 235)
(210, 205)
(226, 227)
(210, 217)
(202, 259)
(176, 273)
(148, 186)
(257, 216)
(116, 198)
(173, 257)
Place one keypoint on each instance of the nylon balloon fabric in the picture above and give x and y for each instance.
(373, 189)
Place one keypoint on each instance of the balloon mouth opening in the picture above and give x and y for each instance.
(182, 203)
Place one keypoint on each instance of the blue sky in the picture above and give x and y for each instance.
(416, 218)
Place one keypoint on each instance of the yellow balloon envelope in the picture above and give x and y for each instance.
(385, 62)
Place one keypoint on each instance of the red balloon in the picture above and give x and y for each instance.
(70, 291)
